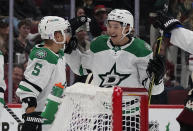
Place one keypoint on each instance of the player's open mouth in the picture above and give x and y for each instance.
(113, 36)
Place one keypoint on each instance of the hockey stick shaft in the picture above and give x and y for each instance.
(159, 42)
(13, 114)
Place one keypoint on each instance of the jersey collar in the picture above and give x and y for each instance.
(109, 44)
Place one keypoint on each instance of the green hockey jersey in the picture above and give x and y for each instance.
(45, 68)
(116, 65)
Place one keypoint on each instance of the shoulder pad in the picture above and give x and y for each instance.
(99, 44)
(44, 54)
(139, 48)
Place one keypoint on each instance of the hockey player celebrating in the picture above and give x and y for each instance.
(46, 67)
(119, 59)
(2, 82)
(183, 38)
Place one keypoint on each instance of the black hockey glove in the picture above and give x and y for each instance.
(76, 22)
(32, 121)
(72, 45)
(166, 23)
(156, 66)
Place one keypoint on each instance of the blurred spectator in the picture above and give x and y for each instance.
(34, 26)
(188, 20)
(83, 46)
(158, 5)
(179, 58)
(82, 38)
(100, 14)
(88, 7)
(169, 79)
(4, 28)
(38, 3)
(181, 10)
(22, 9)
(177, 8)
(17, 77)
(4, 35)
(55, 7)
(22, 45)
(124, 4)
(80, 11)
(176, 58)
(98, 22)
(90, 4)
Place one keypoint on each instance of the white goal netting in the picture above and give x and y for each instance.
(89, 108)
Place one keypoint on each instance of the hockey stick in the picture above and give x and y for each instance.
(13, 114)
(151, 84)
(159, 42)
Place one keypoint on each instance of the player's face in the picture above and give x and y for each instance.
(58, 36)
(114, 30)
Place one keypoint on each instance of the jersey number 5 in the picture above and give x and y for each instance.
(36, 70)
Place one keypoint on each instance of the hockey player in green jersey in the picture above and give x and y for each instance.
(119, 59)
(2, 83)
(46, 67)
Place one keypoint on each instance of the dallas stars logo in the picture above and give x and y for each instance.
(112, 78)
(41, 54)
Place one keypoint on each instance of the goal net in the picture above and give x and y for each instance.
(87, 107)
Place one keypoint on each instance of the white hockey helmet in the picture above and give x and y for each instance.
(50, 24)
(122, 16)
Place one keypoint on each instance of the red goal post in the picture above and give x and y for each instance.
(139, 93)
(87, 107)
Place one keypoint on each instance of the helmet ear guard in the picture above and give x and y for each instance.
(50, 24)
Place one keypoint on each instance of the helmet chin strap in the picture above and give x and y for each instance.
(123, 34)
(64, 46)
